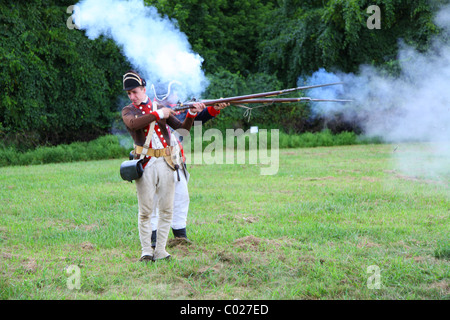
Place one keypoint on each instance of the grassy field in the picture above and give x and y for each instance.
(333, 223)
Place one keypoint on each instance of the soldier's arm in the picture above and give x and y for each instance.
(135, 121)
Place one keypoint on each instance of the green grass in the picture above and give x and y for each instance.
(309, 232)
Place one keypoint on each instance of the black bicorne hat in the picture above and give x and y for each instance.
(131, 80)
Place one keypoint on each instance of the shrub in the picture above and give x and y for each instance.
(105, 147)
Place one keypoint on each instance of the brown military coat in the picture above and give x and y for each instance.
(137, 123)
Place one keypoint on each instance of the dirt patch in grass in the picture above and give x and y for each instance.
(419, 259)
(87, 246)
(178, 242)
(270, 245)
(370, 179)
(320, 178)
(365, 243)
(443, 286)
(415, 179)
(250, 219)
(3, 232)
(247, 242)
(400, 176)
(310, 259)
(7, 255)
(88, 227)
(207, 269)
(180, 245)
(229, 257)
(29, 265)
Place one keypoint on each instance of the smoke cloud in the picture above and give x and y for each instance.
(411, 107)
(153, 44)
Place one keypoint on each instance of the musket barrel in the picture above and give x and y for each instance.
(271, 101)
(288, 100)
(189, 104)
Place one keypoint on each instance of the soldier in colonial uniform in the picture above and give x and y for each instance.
(158, 176)
(181, 200)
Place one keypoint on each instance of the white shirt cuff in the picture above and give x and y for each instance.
(160, 113)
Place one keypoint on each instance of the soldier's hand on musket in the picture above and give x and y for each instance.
(220, 106)
(198, 107)
(167, 112)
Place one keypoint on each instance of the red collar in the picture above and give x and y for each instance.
(146, 104)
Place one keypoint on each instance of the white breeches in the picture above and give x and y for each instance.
(180, 205)
(157, 180)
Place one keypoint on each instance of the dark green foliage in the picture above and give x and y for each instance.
(227, 84)
(292, 38)
(58, 86)
(105, 147)
(308, 35)
(225, 33)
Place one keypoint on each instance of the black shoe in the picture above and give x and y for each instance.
(154, 239)
(180, 238)
(180, 233)
(146, 258)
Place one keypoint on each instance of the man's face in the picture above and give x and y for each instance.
(137, 95)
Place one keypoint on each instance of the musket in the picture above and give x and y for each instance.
(287, 100)
(190, 104)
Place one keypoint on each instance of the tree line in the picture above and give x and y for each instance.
(58, 86)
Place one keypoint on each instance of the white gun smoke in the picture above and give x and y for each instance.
(411, 107)
(153, 44)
